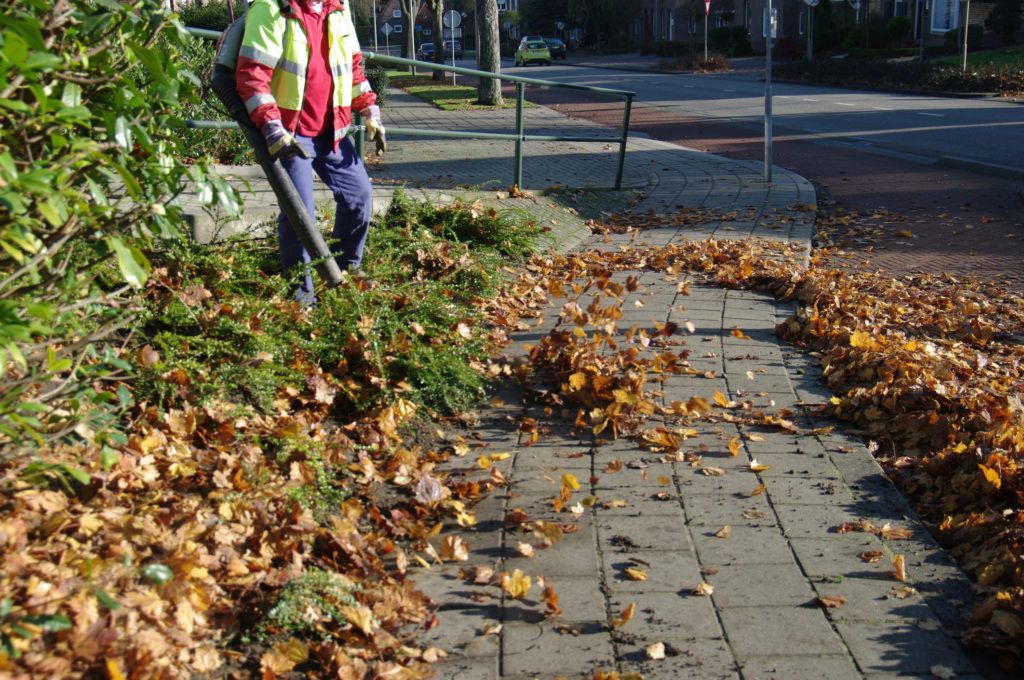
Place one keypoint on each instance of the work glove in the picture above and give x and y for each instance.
(280, 143)
(374, 128)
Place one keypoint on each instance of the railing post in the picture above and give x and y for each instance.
(622, 142)
(517, 179)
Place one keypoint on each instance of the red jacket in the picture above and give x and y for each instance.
(317, 115)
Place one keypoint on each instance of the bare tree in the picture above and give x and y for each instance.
(489, 89)
(437, 7)
(410, 9)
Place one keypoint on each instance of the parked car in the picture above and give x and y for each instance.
(557, 48)
(425, 52)
(530, 38)
(533, 51)
(449, 45)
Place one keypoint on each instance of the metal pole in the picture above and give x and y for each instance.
(768, 96)
(706, 35)
(920, 56)
(375, 27)
(517, 178)
(622, 144)
(967, 26)
(810, 34)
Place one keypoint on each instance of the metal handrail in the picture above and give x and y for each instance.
(519, 137)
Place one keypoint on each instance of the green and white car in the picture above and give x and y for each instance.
(533, 51)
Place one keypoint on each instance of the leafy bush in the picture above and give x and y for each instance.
(212, 15)
(955, 39)
(379, 79)
(732, 40)
(896, 30)
(90, 124)
(928, 77)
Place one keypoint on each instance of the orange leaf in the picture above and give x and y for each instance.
(734, 446)
(991, 475)
(623, 618)
(899, 568)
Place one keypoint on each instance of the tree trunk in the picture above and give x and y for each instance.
(409, 10)
(489, 90)
(437, 7)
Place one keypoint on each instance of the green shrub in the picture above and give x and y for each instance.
(927, 77)
(212, 15)
(379, 79)
(90, 136)
(955, 39)
(306, 601)
(896, 30)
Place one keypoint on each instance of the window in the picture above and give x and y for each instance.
(398, 28)
(428, 31)
(397, 14)
(502, 5)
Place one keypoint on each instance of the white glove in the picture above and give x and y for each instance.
(374, 128)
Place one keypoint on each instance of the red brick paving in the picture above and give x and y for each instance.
(962, 223)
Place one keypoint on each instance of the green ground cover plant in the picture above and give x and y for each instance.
(1012, 56)
(444, 95)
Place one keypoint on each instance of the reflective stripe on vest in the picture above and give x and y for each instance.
(272, 40)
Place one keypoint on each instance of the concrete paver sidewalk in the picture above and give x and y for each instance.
(763, 618)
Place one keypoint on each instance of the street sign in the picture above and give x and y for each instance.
(812, 3)
(770, 22)
(560, 25)
(707, 7)
(506, 24)
(386, 29)
(450, 33)
(452, 19)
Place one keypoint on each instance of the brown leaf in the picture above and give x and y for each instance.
(704, 589)
(734, 446)
(550, 600)
(712, 471)
(724, 532)
(831, 601)
(872, 556)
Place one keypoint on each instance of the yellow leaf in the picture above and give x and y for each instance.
(636, 574)
(114, 670)
(734, 446)
(623, 618)
(724, 532)
(861, 340)
(705, 589)
(721, 399)
(758, 490)
(517, 584)
(991, 475)
(453, 548)
(569, 480)
(578, 381)
(758, 467)
(698, 405)
(359, 616)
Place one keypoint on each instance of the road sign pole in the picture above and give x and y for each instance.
(810, 33)
(375, 29)
(707, 13)
(967, 25)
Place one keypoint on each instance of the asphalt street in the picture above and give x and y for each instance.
(979, 132)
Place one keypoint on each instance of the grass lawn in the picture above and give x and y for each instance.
(1004, 56)
(443, 95)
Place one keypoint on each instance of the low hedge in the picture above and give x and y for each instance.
(927, 77)
(896, 52)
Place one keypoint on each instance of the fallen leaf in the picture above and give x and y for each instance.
(942, 672)
(758, 467)
(453, 548)
(655, 651)
(734, 446)
(550, 599)
(758, 490)
(636, 574)
(705, 589)
(492, 629)
(899, 568)
(872, 556)
(724, 532)
(831, 601)
(712, 471)
(904, 233)
(623, 618)
(525, 549)
(569, 481)
(517, 584)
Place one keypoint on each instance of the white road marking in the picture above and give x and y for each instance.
(844, 104)
(882, 108)
(726, 90)
(923, 113)
(811, 100)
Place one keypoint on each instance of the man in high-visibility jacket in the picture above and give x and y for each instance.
(300, 74)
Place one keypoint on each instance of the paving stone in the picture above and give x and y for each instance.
(746, 545)
(807, 491)
(663, 615)
(645, 532)
(697, 659)
(714, 511)
(765, 631)
(667, 570)
(540, 649)
(759, 585)
(781, 667)
(906, 648)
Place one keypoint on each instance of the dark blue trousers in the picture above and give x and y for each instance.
(345, 175)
